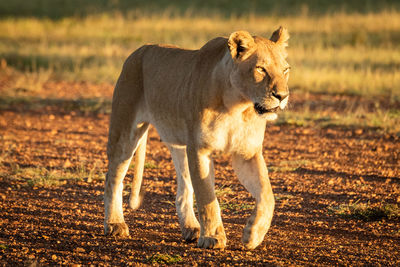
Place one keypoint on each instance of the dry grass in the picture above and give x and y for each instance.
(384, 120)
(334, 53)
(41, 176)
(366, 211)
(339, 53)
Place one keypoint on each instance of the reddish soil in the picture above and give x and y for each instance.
(311, 170)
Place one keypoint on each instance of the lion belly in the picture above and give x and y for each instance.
(171, 131)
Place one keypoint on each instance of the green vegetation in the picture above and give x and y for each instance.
(366, 212)
(41, 176)
(279, 197)
(164, 259)
(235, 207)
(288, 165)
(150, 165)
(224, 190)
(147, 165)
(231, 203)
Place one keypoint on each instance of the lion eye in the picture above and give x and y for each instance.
(261, 70)
(286, 71)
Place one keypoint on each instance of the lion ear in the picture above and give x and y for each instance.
(280, 36)
(240, 44)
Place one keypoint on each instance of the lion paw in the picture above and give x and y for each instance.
(116, 229)
(212, 242)
(191, 234)
(250, 245)
(251, 240)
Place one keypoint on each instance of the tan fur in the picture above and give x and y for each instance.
(217, 98)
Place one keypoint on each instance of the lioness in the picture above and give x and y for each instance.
(217, 98)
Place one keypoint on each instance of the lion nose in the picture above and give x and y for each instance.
(280, 95)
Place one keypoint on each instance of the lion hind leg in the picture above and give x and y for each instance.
(120, 154)
(190, 226)
(137, 190)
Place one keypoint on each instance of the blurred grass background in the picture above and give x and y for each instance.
(339, 47)
(56, 9)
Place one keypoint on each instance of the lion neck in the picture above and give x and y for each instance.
(231, 99)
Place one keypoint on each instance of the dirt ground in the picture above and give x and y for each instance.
(312, 169)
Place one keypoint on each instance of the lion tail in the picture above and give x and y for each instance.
(137, 189)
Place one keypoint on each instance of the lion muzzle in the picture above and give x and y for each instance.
(261, 110)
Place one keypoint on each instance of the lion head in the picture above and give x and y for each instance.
(260, 71)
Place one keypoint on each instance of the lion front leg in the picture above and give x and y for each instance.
(253, 174)
(212, 233)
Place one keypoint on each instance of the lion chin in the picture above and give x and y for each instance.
(268, 114)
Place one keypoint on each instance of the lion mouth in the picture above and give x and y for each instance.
(261, 110)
